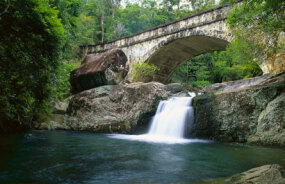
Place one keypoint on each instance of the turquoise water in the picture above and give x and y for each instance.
(72, 157)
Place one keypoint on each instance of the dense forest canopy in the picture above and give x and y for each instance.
(40, 39)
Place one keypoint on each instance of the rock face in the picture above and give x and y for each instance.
(254, 114)
(115, 108)
(107, 69)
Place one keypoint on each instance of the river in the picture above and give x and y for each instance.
(78, 157)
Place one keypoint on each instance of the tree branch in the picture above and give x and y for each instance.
(6, 9)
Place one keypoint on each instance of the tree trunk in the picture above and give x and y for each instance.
(102, 27)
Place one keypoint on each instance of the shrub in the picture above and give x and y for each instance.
(62, 87)
(143, 72)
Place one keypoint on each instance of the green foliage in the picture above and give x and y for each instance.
(200, 83)
(202, 5)
(216, 67)
(143, 71)
(257, 25)
(30, 47)
(85, 32)
(62, 86)
(68, 13)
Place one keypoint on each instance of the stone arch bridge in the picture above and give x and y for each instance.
(170, 45)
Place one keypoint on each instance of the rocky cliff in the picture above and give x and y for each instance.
(252, 114)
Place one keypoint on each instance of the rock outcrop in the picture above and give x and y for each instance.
(267, 174)
(233, 85)
(109, 68)
(254, 114)
(115, 108)
(262, 175)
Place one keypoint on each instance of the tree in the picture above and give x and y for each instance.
(258, 25)
(30, 47)
(69, 12)
(216, 67)
(201, 5)
(102, 11)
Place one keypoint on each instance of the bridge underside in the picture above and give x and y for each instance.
(175, 53)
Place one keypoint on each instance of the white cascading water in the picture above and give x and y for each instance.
(171, 116)
(168, 124)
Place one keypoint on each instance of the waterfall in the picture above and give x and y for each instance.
(169, 122)
(171, 116)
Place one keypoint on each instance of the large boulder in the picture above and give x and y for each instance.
(116, 108)
(109, 68)
(253, 114)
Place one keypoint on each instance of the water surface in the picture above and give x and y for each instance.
(72, 157)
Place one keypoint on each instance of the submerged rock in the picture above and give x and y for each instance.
(115, 108)
(253, 114)
(109, 68)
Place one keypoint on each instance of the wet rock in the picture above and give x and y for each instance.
(108, 68)
(252, 114)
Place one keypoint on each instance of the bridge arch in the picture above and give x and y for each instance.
(167, 56)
